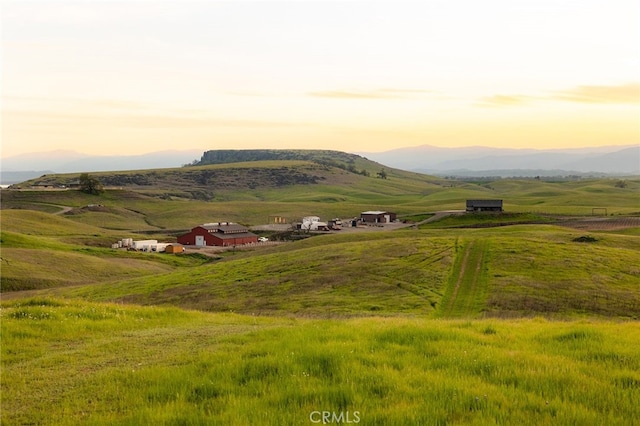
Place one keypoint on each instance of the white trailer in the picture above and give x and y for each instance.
(144, 245)
(160, 247)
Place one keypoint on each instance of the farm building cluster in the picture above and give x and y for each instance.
(313, 223)
(148, 246)
(229, 234)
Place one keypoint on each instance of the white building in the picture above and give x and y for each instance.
(312, 223)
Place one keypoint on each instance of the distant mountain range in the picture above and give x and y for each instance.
(486, 161)
(463, 162)
(28, 166)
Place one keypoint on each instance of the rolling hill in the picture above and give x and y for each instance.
(524, 317)
(527, 271)
(441, 270)
(226, 172)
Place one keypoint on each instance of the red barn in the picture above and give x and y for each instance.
(218, 234)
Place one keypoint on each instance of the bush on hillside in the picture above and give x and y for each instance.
(585, 239)
(90, 184)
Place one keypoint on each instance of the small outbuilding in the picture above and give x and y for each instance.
(221, 234)
(174, 248)
(484, 205)
(376, 216)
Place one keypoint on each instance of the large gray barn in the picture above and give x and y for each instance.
(484, 205)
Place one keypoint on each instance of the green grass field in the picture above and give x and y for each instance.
(466, 290)
(72, 362)
(341, 194)
(515, 271)
(474, 319)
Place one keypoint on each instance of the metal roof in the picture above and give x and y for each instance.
(224, 228)
(484, 203)
(235, 235)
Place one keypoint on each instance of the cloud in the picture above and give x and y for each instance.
(498, 101)
(47, 119)
(57, 103)
(116, 104)
(407, 91)
(250, 93)
(386, 93)
(622, 94)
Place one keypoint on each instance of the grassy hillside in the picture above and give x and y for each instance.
(436, 324)
(41, 250)
(466, 290)
(132, 210)
(242, 192)
(497, 272)
(229, 172)
(415, 272)
(328, 277)
(70, 362)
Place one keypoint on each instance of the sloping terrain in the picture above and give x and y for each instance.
(41, 250)
(466, 292)
(330, 276)
(445, 269)
(498, 272)
(357, 322)
(225, 171)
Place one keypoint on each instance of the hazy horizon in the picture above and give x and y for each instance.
(114, 78)
(598, 148)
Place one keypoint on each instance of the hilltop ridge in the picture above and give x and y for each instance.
(326, 157)
(225, 171)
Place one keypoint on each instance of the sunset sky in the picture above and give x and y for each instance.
(130, 77)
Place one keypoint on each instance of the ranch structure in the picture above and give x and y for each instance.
(222, 234)
(174, 248)
(484, 205)
(377, 217)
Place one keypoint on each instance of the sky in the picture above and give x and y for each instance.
(137, 76)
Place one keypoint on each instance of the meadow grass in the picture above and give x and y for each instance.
(404, 193)
(40, 250)
(486, 220)
(331, 276)
(352, 322)
(466, 292)
(526, 270)
(564, 276)
(72, 362)
(29, 222)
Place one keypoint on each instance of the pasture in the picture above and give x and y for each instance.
(528, 317)
(74, 362)
(507, 271)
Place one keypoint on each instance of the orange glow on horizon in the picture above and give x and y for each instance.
(128, 78)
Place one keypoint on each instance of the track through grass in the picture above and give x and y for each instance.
(467, 289)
